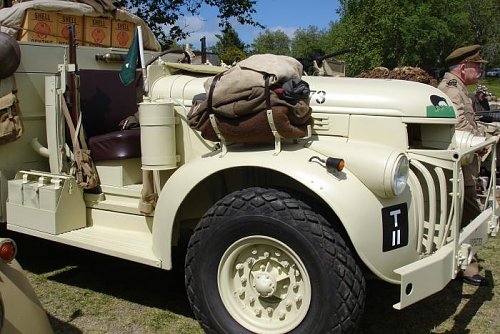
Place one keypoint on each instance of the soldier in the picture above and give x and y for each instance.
(465, 69)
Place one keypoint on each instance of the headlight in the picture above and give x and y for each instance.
(400, 175)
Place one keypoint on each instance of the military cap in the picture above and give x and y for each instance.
(470, 53)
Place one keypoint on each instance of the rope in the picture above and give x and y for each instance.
(52, 35)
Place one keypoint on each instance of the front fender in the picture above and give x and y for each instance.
(358, 209)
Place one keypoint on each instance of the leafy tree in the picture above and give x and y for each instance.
(421, 33)
(308, 42)
(483, 16)
(430, 31)
(229, 46)
(275, 42)
(371, 27)
(162, 16)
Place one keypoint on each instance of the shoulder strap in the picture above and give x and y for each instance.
(69, 123)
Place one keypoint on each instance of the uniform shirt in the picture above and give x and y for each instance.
(452, 86)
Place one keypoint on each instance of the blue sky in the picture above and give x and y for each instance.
(286, 15)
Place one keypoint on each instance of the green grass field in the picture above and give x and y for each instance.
(85, 292)
(493, 85)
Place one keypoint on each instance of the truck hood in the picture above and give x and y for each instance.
(359, 96)
(378, 97)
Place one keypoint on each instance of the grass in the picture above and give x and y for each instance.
(493, 85)
(91, 293)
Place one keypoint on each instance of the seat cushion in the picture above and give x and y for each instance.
(116, 145)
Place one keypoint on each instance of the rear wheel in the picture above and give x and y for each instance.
(261, 261)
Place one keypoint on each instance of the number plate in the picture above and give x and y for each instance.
(395, 227)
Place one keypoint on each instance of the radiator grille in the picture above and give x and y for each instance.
(433, 206)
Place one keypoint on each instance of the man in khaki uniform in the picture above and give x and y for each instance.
(465, 69)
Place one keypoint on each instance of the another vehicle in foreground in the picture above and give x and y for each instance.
(20, 309)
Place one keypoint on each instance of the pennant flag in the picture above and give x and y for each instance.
(127, 73)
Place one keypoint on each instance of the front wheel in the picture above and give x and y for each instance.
(261, 261)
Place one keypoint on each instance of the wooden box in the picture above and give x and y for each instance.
(122, 34)
(39, 26)
(63, 23)
(97, 31)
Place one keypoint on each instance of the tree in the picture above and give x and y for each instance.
(483, 16)
(229, 46)
(371, 27)
(421, 33)
(162, 15)
(308, 44)
(275, 42)
(309, 41)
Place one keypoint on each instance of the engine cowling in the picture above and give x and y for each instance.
(384, 97)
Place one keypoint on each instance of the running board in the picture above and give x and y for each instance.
(132, 240)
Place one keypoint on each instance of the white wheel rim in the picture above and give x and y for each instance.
(264, 285)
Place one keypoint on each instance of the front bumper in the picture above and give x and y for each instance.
(425, 277)
(445, 253)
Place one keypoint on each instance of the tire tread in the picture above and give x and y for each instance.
(279, 204)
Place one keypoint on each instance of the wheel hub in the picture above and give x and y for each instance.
(264, 285)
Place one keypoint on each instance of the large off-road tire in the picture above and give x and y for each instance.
(261, 261)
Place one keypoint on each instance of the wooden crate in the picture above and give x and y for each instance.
(63, 23)
(122, 34)
(39, 26)
(97, 31)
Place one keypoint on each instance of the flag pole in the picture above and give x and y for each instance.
(141, 55)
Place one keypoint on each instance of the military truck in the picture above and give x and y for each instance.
(282, 234)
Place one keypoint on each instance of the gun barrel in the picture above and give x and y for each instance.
(336, 53)
(492, 115)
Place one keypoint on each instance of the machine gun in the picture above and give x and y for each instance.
(326, 65)
(333, 54)
(489, 116)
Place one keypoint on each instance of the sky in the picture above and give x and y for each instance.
(285, 15)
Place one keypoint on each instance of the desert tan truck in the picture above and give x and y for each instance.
(281, 237)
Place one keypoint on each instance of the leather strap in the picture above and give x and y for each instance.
(267, 92)
(69, 123)
(211, 92)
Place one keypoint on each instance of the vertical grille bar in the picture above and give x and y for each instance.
(431, 191)
(444, 206)
(418, 209)
(433, 205)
